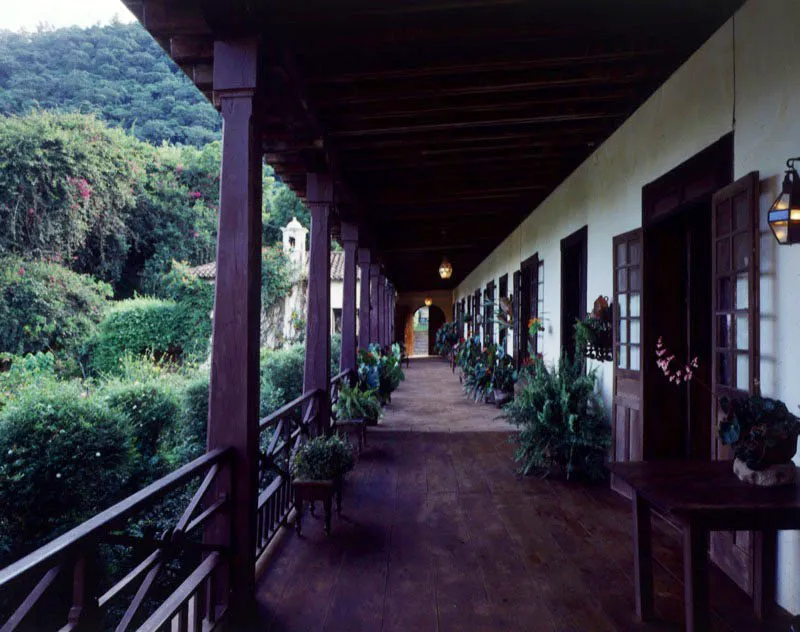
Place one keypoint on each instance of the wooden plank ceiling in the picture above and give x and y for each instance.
(446, 122)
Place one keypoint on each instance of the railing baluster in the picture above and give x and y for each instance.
(84, 610)
(31, 600)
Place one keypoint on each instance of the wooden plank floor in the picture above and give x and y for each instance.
(439, 533)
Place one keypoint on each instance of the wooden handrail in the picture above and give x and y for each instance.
(62, 546)
(272, 418)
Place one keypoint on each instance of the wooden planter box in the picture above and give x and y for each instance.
(312, 491)
(356, 430)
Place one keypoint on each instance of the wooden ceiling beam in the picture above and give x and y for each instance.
(484, 103)
(480, 124)
(173, 18)
(594, 54)
(473, 86)
(469, 140)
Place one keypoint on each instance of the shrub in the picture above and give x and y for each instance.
(148, 409)
(562, 421)
(283, 369)
(45, 307)
(64, 455)
(141, 327)
(194, 302)
(186, 439)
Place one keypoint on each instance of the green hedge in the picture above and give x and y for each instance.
(134, 327)
(45, 307)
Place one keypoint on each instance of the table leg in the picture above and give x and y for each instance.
(695, 577)
(643, 557)
(764, 552)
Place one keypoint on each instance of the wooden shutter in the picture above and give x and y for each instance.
(735, 362)
(627, 439)
(516, 309)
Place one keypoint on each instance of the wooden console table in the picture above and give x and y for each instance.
(704, 496)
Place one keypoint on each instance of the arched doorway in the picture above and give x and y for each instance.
(421, 330)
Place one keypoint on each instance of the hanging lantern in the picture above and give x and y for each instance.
(784, 214)
(445, 269)
(428, 301)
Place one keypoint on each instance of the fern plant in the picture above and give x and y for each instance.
(562, 422)
(355, 403)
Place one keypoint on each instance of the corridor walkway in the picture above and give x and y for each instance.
(439, 533)
(431, 400)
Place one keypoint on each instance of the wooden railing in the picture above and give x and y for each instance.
(61, 585)
(281, 433)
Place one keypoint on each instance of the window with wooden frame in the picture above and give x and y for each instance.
(488, 313)
(628, 298)
(735, 292)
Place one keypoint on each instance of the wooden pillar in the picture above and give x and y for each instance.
(234, 392)
(347, 360)
(317, 372)
(364, 257)
(381, 310)
(374, 319)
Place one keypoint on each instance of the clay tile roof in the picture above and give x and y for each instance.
(208, 271)
(337, 266)
(205, 271)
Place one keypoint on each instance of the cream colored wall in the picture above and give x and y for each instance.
(693, 109)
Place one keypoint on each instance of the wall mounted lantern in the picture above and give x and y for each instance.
(445, 269)
(784, 214)
(428, 301)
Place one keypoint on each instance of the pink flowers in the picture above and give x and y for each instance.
(83, 187)
(665, 363)
(195, 195)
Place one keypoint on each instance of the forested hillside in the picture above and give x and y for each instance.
(116, 71)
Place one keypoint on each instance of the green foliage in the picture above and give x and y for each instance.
(562, 421)
(380, 371)
(45, 307)
(194, 304)
(148, 409)
(67, 183)
(185, 440)
(135, 327)
(19, 372)
(117, 71)
(504, 375)
(761, 431)
(446, 339)
(64, 455)
(283, 369)
(356, 403)
(275, 278)
(280, 206)
(323, 458)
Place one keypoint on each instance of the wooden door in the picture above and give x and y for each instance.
(529, 303)
(627, 439)
(735, 362)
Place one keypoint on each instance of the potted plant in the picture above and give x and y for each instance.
(318, 471)
(763, 436)
(357, 405)
(761, 432)
(504, 377)
(594, 336)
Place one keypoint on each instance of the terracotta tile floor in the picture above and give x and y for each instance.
(439, 533)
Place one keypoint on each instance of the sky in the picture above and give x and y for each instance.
(28, 14)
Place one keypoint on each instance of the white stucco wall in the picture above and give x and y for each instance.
(694, 108)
